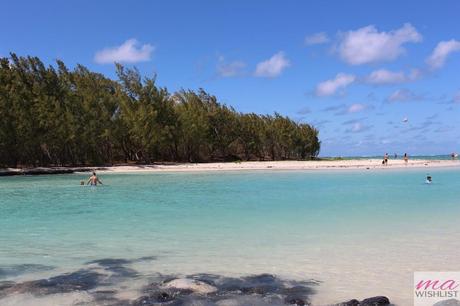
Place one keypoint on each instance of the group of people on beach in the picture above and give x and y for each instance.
(386, 157)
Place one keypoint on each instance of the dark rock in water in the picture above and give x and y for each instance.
(164, 297)
(4, 286)
(350, 303)
(145, 258)
(144, 301)
(15, 270)
(450, 302)
(161, 297)
(116, 266)
(375, 301)
(109, 262)
(76, 281)
(297, 302)
(107, 297)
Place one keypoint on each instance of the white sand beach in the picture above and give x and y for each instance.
(352, 164)
(345, 164)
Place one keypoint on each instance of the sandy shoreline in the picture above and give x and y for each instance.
(353, 164)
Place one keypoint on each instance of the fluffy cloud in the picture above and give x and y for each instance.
(343, 109)
(441, 52)
(383, 76)
(272, 67)
(230, 69)
(128, 52)
(356, 108)
(358, 127)
(330, 87)
(316, 39)
(368, 45)
(403, 95)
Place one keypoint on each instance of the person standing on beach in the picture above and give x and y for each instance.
(406, 158)
(94, 180)
(385, 159)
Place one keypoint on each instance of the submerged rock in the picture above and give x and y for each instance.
(15, 270)
(76, 281)
(450, 302)
(297, 302)
(352, 302)
(190, 284)
(375, 301)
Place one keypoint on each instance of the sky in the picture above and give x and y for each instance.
(371, 76)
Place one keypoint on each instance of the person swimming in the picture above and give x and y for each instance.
(94, 180)
(429, 179)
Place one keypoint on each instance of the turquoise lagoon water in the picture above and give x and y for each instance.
(359, 233)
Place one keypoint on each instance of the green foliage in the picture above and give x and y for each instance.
(54, 116)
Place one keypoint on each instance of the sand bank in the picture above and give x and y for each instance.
(352, 164)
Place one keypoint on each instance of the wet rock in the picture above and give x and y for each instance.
(116, 267)
(15, 270)
(164, 297)
(144, 301)
(76, 281)
(190, 284)
(109, 262)
(450, 302)
(375, 301)
(297, 302)
(352, 302)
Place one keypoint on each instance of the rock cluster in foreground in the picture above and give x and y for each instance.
(103, 280)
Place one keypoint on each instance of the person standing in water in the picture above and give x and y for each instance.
(94, 180)
(429, 179)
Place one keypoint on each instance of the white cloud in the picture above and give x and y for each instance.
(441, 52)
(272, 67)
(230, 69)
(356, 108)
(358, 127)
(368, 45)
(330, 87)
(128, 52)
(383, 76)
(317, 39)
(403, 95)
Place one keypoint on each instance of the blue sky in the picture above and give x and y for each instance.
(372, 77)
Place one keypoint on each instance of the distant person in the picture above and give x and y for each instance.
(429, 179)
(396, 156)
(93, 180)
(385, 159)
(453, 155)
(406, 158)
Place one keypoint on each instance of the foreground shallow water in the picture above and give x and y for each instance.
(342, 235)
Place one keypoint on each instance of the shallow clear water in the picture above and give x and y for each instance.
(360, 233)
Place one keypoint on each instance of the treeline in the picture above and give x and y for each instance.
(51, 115)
